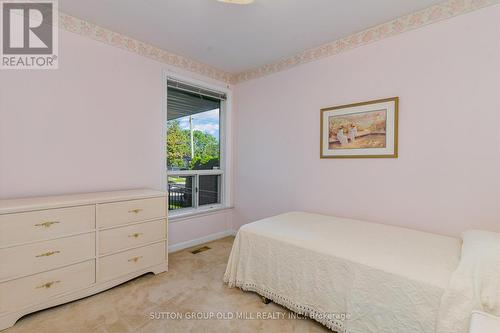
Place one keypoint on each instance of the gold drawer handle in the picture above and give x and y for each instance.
(47, 254)
(135, 211)
(135, 259)
(47, 285)
(136, 235)
(46, 224)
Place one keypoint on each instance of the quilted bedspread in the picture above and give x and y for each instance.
(349, 275)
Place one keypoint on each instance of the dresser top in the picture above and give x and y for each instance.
(58, 201)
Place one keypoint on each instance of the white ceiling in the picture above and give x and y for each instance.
(235, 38)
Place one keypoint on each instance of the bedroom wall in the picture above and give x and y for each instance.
(94, 124)
(447, 177)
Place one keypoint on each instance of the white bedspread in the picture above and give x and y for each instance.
(383, 278)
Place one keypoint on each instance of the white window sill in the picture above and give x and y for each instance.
(193, 213)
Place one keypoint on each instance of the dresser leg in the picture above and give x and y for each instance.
(162, 268)
(8, 320)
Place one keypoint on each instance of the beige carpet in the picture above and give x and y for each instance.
(193, 284)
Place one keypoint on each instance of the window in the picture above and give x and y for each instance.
(195, 147)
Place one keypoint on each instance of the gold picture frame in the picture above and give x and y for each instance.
(360, 130)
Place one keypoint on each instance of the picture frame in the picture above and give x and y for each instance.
(360, 130)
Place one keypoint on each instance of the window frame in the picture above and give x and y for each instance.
(225, 157)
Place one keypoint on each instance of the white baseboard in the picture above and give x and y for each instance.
(202, 240)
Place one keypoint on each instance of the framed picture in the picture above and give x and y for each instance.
(368, 129)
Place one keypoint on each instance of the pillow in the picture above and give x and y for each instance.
(481, 257)
(474, 285)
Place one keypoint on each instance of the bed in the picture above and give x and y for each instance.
(354, 276)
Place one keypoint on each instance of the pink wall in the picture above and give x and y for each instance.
(447, 177)
(94, 124)
(186, 230)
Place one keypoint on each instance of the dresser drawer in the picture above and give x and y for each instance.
(41, 287)
(116, 265)
(37, 257)
(124, 237)
(44, 224)
(115, 213)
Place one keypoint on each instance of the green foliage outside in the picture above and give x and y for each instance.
(206, 148)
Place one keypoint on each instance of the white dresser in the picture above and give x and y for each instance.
(57, 249)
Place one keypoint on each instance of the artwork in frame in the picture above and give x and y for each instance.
(368, 129)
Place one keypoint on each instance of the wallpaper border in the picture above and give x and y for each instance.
(84, 28)
(433, 14)
(397, 26)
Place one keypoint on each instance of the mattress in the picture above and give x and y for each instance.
(352, 276)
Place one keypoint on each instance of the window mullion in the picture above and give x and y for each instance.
(221, 185)
(196, 190)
